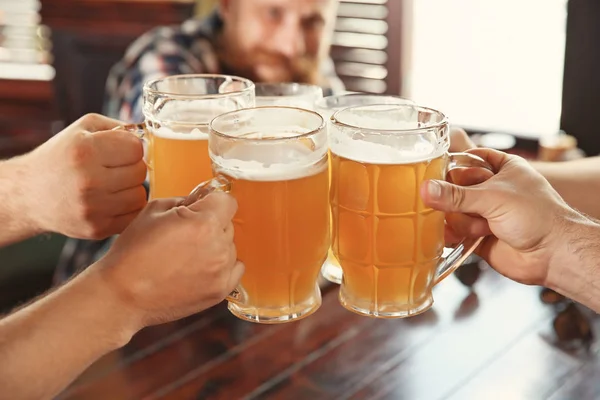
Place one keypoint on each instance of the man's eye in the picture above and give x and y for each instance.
(313, 23)
(274, 13)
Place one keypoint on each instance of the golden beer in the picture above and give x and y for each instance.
(275, 160)
(177, 163)
(390, 246)
(177, 111)
(281, 236)
(388, 243)
(327, 106)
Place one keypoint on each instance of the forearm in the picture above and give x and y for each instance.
(15, 223)
(578, 182)
(47, 344)
(574, 268)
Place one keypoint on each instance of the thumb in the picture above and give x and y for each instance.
(447, 197)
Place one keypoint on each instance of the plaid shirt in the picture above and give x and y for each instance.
(165, 51)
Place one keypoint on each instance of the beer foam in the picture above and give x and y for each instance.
(369, 121)
(187, 120)
(414, 149)
(277, 161)
(194, 134)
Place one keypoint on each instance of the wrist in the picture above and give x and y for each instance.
(19, 194)
(574, 247)
(33, 191)
(120, 319)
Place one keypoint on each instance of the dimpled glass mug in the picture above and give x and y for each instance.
(273, 160)
(177, 111)
(327, 106)
(389, 244)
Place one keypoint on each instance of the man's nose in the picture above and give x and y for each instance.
(289, 39)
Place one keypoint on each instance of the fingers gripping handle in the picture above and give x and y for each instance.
(468, 245)
(217, 184)
(138, 130)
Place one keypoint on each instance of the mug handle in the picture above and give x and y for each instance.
(463, 249)
(216, 184)
(138, 130)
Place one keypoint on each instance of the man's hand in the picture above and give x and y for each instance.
(86, 182)
(173, 261)
(526, 216)
(460, 141)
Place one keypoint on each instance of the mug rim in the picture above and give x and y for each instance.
(443, 122)
(250, 86)
(310, 86)
(312, 132)
(322, 102)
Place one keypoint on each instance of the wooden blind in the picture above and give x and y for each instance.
(22, 38)
(24, 42)
(366, 45)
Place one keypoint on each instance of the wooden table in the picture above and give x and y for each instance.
(494, 343)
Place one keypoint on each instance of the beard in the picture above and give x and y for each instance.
(262, 66)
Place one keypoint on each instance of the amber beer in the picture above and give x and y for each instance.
(388, 243)
(327, 106)
(177, 162)
(177, 111)
(281, 230)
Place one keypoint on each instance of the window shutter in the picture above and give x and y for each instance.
(24, 43)
(366, 45)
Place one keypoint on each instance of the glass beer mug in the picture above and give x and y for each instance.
(273, 160)
(389, 244)
(178, 110)
(290, 94)
(326, 106)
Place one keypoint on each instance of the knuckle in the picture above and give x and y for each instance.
(132, 144)
(89, 119)
(96, 230)
(210, 223)
(81, 150)
(86, 213)
(457, 196)
(86, 184)
(222, 259)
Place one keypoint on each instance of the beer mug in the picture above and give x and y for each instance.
(289, 94)
(326, 106)
(273, 160)
(177, 112)
(389, 244)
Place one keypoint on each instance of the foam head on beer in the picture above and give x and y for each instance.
(280, 160)
(368, 136)
(266, 146)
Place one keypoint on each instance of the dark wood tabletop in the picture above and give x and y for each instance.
(495, 342)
